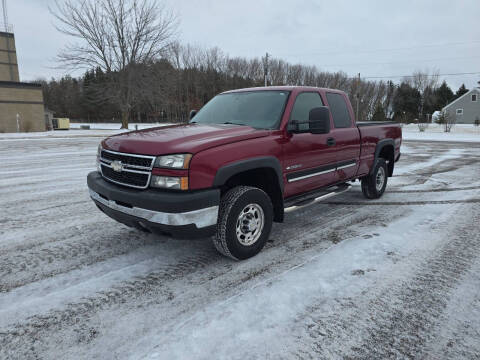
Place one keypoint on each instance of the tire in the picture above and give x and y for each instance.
(374, 184)
(250, 204)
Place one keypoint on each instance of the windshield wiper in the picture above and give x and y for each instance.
(232, 123)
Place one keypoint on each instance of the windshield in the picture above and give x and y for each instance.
(258, 109)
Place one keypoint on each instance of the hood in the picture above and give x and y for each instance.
(177, 139)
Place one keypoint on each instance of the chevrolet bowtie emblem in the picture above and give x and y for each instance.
(117, 166)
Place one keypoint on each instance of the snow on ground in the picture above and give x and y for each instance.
(435, 132)
(115, 126)
(96, 130)
(395, 277)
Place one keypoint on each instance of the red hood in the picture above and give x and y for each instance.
(177, 139)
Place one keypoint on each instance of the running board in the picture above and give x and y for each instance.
(314, 198)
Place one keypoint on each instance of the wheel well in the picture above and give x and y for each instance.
(388, 153)
(262, 178)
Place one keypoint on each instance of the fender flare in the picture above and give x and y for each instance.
(229, 170)
(380, 145)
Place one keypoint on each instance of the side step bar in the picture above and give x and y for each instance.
(313, 198)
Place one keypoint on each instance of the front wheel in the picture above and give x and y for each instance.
(374, 184)
(244, 222)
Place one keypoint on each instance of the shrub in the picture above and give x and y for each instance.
(446, 120)
(422, 126)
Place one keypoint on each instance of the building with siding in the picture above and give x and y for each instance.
(466, 108)
(21, 104)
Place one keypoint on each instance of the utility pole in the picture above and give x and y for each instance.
(265, 68)
(358, 96)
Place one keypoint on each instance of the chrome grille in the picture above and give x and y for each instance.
(134, 170)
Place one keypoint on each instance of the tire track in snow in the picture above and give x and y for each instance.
(402, 316)
(26, 266)
(157, 282)
(403, 328)
(37, 326)
(392, 190)
(396, 203)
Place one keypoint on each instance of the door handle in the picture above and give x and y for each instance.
(331, 142)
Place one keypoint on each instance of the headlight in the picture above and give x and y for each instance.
(175, 161)
(169, 182)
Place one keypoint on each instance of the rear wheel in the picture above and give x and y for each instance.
(244, 222)
(374, 184)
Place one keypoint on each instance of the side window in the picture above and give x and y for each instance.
(339, 110)
(303, 104)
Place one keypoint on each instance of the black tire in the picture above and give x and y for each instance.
(369, 183)
(232, 205)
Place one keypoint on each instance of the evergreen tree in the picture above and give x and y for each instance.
(444, 95)
(461, 90)
(429, 101)
(406, 103)
(379, 113)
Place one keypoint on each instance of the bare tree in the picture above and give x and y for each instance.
(446, 120)
(118, 36)
(422, 80)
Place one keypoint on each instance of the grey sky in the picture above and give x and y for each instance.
(375, 38)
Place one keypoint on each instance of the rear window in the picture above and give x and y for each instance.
(339, 110)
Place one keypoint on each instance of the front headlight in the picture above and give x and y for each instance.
(169, 182)
(175, 161)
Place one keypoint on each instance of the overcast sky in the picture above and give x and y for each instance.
(384, 38)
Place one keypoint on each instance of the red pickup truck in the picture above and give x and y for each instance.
(247, 157)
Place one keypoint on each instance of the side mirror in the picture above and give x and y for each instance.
(192, 114)
(319, 120)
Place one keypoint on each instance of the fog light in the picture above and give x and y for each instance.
(169, 182)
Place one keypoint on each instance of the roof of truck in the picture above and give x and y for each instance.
(283, 88)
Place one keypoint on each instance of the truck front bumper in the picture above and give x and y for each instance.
(178, 214)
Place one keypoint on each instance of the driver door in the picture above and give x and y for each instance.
(309, 159)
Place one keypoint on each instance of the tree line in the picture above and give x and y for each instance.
(190, 76)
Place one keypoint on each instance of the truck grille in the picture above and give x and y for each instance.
(145, 162)
(127, 169)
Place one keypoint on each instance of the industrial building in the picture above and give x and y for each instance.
(21, 104)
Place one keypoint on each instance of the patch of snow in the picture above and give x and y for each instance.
(96, 130)
(434, 132)
(116, 126)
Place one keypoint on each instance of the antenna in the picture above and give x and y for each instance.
(5, 15)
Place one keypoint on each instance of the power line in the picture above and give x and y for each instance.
(383, 49)
(403, 62)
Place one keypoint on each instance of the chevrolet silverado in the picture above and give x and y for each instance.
(243, 161)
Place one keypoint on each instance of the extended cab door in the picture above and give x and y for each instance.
(345, 135)
(308, 160)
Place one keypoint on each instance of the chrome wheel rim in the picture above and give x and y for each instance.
(250, 223)
(380, 179)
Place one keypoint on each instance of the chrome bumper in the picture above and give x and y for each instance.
(200, 218)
